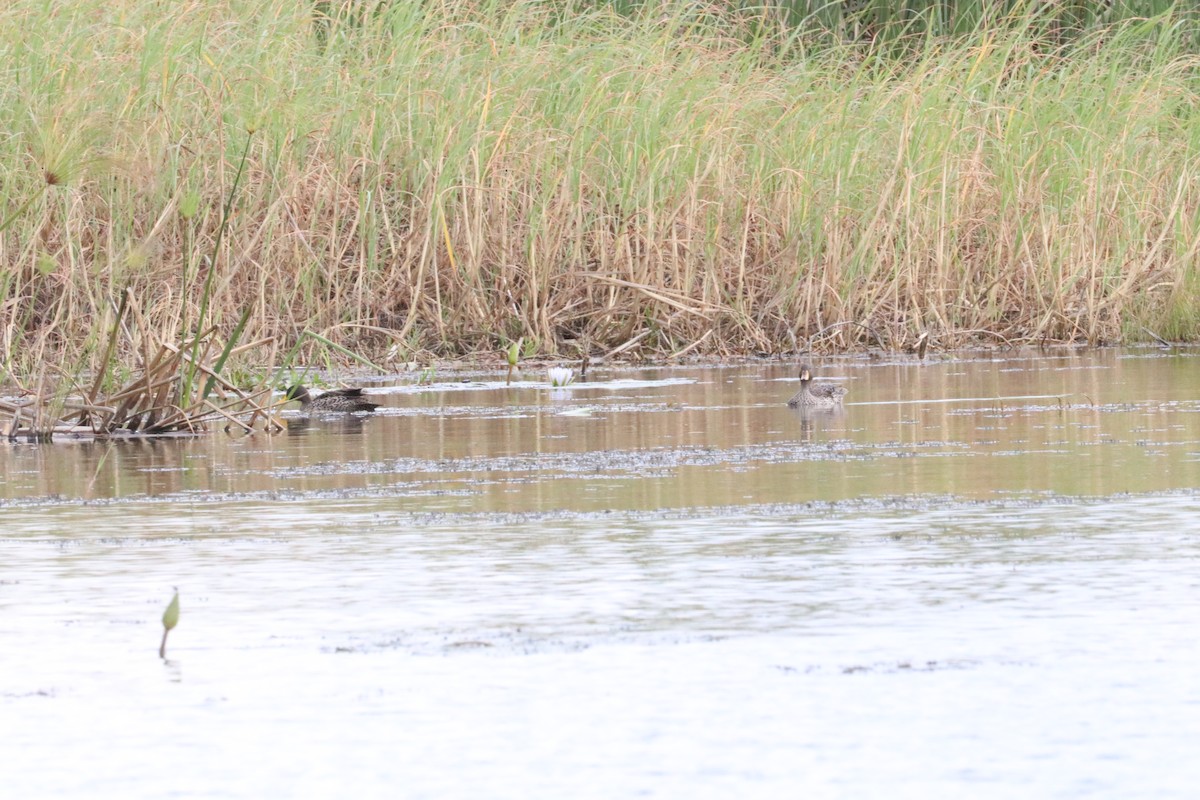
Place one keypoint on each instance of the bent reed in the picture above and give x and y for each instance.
(441, 177)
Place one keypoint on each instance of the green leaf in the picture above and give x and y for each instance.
(513, 353)
(171, 615)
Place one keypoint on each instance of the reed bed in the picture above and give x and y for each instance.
(441, 178)
(178, 388)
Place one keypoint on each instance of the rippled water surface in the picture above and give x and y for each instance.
(979, 579)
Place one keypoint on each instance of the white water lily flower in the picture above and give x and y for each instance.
(561, 376)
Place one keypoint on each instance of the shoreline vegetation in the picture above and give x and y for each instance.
(400, 182)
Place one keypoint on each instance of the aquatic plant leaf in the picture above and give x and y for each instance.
(170, 617)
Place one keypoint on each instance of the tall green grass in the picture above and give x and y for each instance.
(446, 176)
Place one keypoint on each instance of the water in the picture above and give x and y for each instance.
(978, 580)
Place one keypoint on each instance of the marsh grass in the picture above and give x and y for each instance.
(445, 177)
(179, 388)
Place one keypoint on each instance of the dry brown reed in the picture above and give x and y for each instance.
(178, 389)
(435, 181)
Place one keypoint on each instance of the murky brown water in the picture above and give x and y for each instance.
(978, 579)
(1080, 424)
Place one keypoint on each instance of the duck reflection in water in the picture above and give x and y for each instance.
(340, 424)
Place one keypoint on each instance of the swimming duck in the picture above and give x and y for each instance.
(335, 401)
(816, 395)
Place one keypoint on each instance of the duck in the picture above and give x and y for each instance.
(816, 395)
(335, 401)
